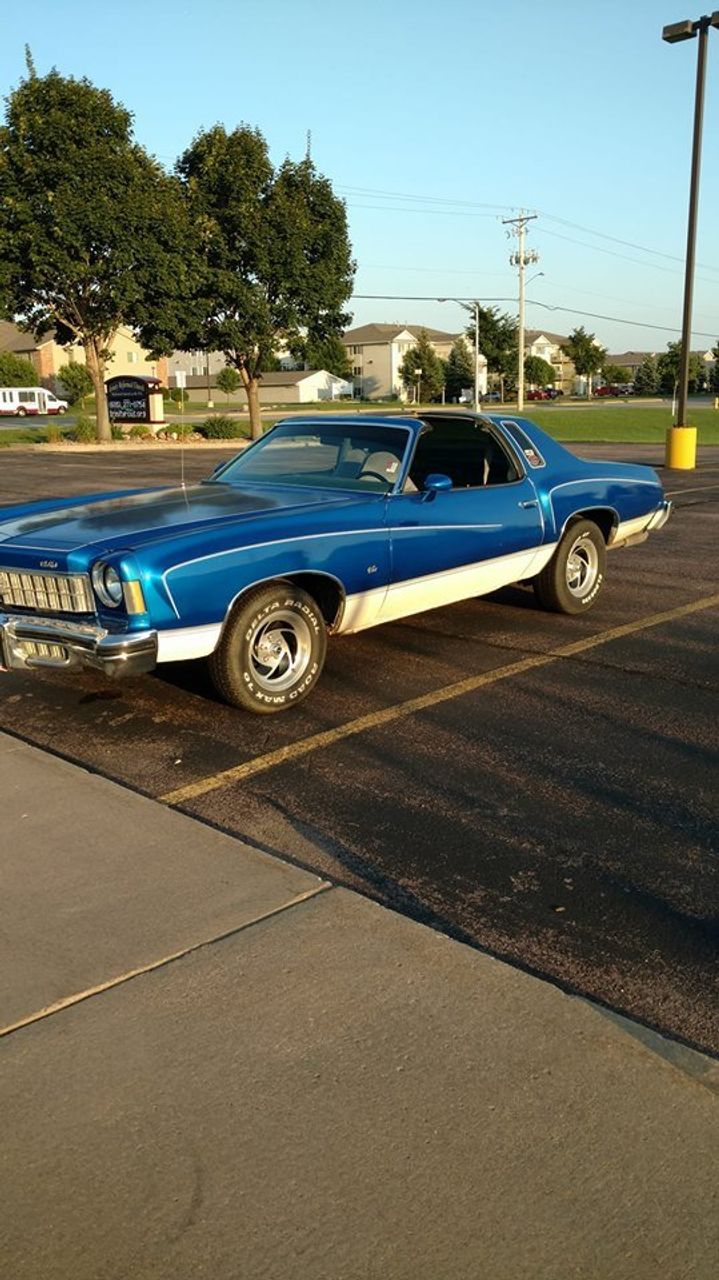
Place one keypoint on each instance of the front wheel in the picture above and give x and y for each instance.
(272, 650)
(572, 580)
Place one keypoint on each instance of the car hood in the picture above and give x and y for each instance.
(132, 519)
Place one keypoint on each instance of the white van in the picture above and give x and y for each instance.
(23, 401)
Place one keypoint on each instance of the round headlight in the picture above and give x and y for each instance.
(108, 584)
(112, 583)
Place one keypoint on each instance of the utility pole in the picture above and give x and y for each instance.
(520, 259)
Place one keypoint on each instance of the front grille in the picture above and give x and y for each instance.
(52, 592)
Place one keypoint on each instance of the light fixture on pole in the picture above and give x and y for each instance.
(681, 450)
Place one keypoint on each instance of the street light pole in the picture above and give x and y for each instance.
(681, 448)
(473, 307)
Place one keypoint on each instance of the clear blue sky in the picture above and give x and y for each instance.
(462, 111)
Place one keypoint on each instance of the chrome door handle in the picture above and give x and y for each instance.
(531, 503)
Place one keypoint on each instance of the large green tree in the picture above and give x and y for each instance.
(668, 364)
(93, 234)
(459, 369)
(585, 353)
(16, 371)
(275, 249)
(422, 370)
(538, 372)
(646, 377)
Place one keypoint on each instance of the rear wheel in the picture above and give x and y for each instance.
(572, 580)
(21, 413)
(272, 649)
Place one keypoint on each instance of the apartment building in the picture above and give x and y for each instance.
(376, 352)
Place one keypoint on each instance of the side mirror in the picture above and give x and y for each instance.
(436, 483)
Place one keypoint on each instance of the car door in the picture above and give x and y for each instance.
(473, 538)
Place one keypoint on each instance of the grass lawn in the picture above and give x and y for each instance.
(621, 425)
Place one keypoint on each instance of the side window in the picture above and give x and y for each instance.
(467, 452)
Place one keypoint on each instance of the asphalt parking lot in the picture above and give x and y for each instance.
(558, 811)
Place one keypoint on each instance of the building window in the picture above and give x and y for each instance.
(132, 357)
(357, 371)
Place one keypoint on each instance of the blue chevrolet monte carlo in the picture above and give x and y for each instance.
(325, 526)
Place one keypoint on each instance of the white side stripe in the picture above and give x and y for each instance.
(401, 599)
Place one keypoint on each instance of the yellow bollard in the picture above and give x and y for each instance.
(681, 451)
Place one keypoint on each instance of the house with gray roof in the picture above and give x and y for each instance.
(376, 352)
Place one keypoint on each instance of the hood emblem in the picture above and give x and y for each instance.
(49, 564)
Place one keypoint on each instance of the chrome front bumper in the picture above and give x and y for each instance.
(27, 643)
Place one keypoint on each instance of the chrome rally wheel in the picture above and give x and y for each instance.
(280, 650)
(582, 566)
(272, 649)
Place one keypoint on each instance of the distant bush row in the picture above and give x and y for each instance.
(218, 427)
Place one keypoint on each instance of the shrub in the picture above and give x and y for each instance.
(85, 432)
(177, 395)
(139, 432)
(53, 434)
(76, 382)
(16, 371)
(220, 427)
(116, 432)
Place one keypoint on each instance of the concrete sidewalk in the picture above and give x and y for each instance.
(226, 1068)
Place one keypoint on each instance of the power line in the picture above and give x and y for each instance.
(475, 204)
(589, 315)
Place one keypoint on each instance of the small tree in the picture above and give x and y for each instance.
(646, 377)
(76, 381)
(229, 381)
(328, 353)
(585, 353)
(93, 233)
(459, 369)
(15, 371)
(538, 372)
(714, 375)
(429, 382)
(668, 365)
(615, 373)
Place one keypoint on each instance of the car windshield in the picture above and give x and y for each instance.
(360, 457)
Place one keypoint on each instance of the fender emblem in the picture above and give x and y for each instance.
(49, 564)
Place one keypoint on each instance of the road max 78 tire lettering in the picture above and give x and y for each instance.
(272, 649)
